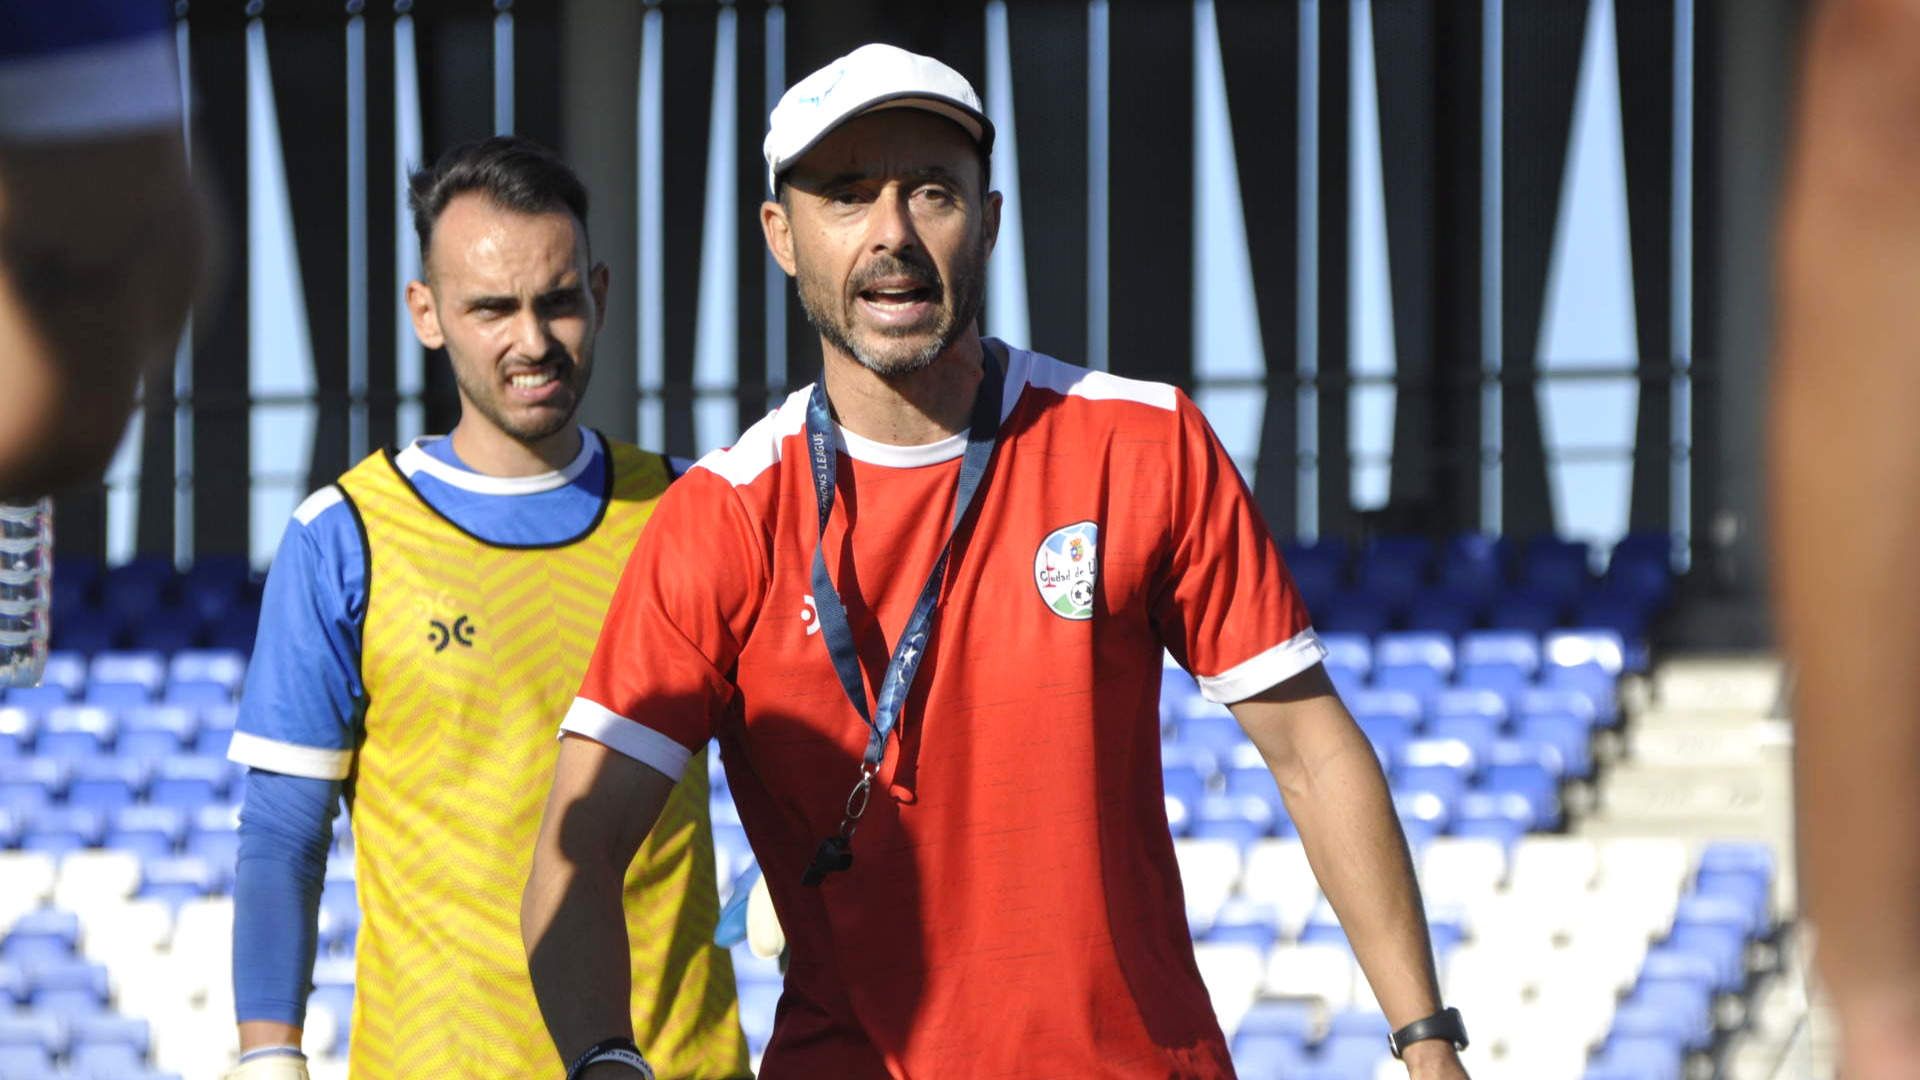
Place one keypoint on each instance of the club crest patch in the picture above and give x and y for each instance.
(1066, 567)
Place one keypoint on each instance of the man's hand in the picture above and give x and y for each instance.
(1433, 1059)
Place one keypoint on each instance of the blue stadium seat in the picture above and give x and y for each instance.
(1414, 648)
(1501, 648)
(106, 1061)
(1550, 701)
(1260, 1054)
(1352, 613)
(1389, 736)
(143, 668)
(223, 666)
(197, 694)
(1492, 815)
(166, 629)
(1351, 651)
(1250, 780)
(213, 836)
(1531, 612)
(1555, 567)
(216, 730)
(1641, 1057)
(1627, 616)
(177, 879)
(1464, 701)
(18, 728)
(1247, 922)
(59, 830)
(1425, 810)
(86, 630)
(13, 983)
(1753, 859)
(1452, 756)
(234, 630)
(25, 1062)
(188, 782)
(1184, 772)
(1293, 1020)
(1477, 732)
(1443, 611)
(27, 784)
(116, 696)
(75, 731)
(1571, 740)
(1179, 818)
(1534, 783)
(1678, 1010)
(137, 587)
(1242, 821)
(1667, 963)
(42, 937)
(67, 976)
(38, 699)
(1387, 703)
(25, 1029)
(68, 669)
(147, 831)
(1641, 567)
(1725, 947)
(1412, 678)
(1177, 694)
(11, 825)
(155, 731)
(1584, 647)
(106, 783)
(1475, 563)
(1394, 568)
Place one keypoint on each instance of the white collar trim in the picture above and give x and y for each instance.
(861, 448)
(414, 459)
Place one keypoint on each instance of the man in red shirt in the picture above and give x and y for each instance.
(963, 830)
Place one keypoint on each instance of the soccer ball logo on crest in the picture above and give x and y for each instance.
(1066, 568)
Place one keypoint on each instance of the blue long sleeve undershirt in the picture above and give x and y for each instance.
(286, 826)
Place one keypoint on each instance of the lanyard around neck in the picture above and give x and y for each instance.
(910, 650)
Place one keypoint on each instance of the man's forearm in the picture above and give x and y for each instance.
(575, 933)
(1354, 843)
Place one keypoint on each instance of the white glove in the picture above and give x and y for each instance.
(271, 1067)
(764, 934)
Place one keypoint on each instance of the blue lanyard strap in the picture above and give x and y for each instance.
(911, 649)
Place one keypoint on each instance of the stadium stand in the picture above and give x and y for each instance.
(1487, 675)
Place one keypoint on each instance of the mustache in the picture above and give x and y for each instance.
(923, 274)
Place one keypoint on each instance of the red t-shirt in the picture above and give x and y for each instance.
(1014, 907)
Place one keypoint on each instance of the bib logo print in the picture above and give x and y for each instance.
(1066, 568)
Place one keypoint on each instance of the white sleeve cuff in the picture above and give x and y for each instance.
(1264, 670)
(639, 742)
(293, 759)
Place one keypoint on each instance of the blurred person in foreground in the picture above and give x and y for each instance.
(100, 230)
(426, 619)
(1846, 513)
(988, 888)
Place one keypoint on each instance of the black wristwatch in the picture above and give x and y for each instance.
(1445, 1024)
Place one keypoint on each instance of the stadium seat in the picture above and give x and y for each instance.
(1232, 972)
(1570, 739)
(1476, 733)
(1475, 563)
(197, 694)
(1556, 567)
(144, 668)
(1305, 971)
(1414, 648)
(1673, 1009)
(18, 728)
(1530, 612)
(86, 630)
(75, 731)
(38, 699)
(166, 629)
(13, 984)
(65, 669)
(1213, 729)
(1641, 1057)
(1245, 922)
(38, 938)
(1237, 820)
(177, 879)
(61, 830)
(1351, 651)
(1458, 701)
(1393, 569)
(226, 667)
(216, 730)
(1258, 1053)
(214, 834)
(1209, 868)
(147, 831)
(26, 1062)
(106, 783)
(1395, 704)
(25, 1029)
(1351, 613)
(234, 631)
(155, 731)
(188, 782)
(1448, 612)
(1456, 870)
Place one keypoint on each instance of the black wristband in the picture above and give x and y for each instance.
(1445, 1024)
(616, 1049)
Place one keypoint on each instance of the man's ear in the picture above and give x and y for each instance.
(597, 280)
(990, 220)
(778, 228)
(426, 316)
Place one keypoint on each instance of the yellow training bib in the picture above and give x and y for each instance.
(471, 655)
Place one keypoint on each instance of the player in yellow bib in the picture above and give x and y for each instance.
(426, 624)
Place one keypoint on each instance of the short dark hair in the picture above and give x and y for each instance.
(516, 173)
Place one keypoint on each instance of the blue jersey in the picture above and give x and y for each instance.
(74, 69)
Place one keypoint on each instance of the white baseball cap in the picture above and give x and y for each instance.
(870, 78)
